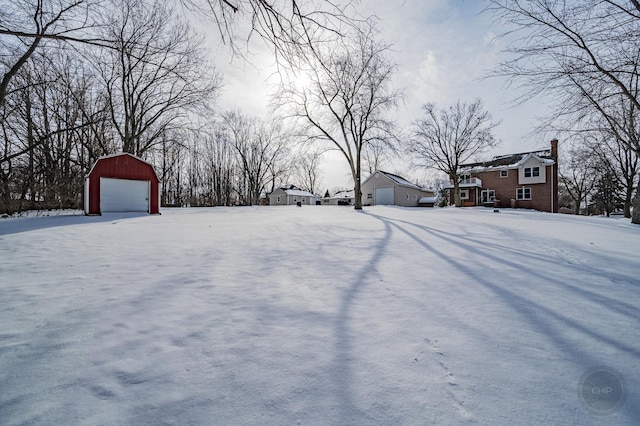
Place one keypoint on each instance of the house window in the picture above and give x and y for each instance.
(504, 173)
(523, 193)
(464, 194)
(465, 178)
(531, 171)
(303, 199)
(369, 196)
(407, 196)
(278, 199)
(295, 200)
(415, 197)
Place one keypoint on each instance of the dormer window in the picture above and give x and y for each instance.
(531, 171)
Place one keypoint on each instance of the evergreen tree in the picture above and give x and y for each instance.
(609, 193)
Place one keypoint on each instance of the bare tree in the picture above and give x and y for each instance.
(623, 164)
(585, 53)
(445, 139)
(307, 169)
(25, 25)
(43, 152)
(375, 156)
(579, 175)
(258, 148)
(291, 28)
(346, 99)
(155, 75)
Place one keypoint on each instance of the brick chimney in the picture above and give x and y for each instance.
(554, 148)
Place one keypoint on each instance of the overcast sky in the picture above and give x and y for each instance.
(442, 48)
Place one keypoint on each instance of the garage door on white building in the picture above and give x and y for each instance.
(384, 196)
(124, 195)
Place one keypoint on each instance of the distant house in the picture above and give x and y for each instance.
(340, 198)
(291, 195)
(383, 188)
(526, 180)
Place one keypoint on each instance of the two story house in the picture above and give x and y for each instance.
(526, 180)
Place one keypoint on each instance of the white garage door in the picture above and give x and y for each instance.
(124, 195)
(384, 196)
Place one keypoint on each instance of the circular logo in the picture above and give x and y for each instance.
(601, 390)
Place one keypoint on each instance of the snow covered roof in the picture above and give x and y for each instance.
(509, 161)
(295, 191)
(426, 200)
(344, 194)
(402, 181)
(299, 193)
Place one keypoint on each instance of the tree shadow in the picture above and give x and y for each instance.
(549, 322)
(26, 224)
(343, 334)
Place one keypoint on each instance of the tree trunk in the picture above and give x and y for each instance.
(456, 192)
(635, 215)
(358, 194)
(356, 178)
(576, 209)
(628, 199)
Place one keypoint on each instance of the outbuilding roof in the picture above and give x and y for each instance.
(295, 191)
(426, 200)
(298, 192)
(402, 181)
(120, 154)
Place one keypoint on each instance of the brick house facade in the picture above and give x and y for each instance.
(527, 180)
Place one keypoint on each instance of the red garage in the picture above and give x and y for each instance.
(121, 183)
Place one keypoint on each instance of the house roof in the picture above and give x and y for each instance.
(509, 161)
(344, 194)
(400, 181)
(299, 193)
(428, 200)
(295, 191)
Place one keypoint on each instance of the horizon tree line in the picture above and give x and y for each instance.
(76, 86)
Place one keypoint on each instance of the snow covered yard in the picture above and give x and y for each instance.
(316, 315)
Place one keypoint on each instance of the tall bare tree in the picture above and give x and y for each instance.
(306, 165)
(585, 54)
(445, 139)
(26, 25)
(156, 74)
(258, 147)
(346, 98)
(291, 28)
(579, 175)
(624, 165)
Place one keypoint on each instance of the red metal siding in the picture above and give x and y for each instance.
(124, 166)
